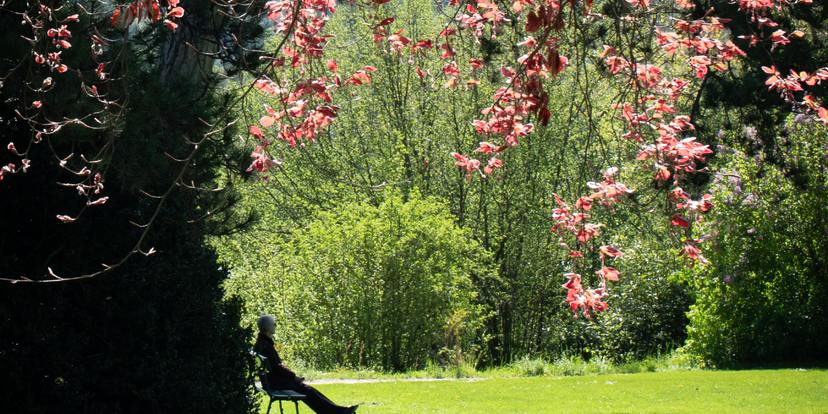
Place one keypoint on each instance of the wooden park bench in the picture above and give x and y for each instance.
(262, 367)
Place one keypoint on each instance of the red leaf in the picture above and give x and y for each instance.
(663, 173)
(487, 148)
(267, 121)
(98, 202)
(823, 115)
(177, 12)
(100, 71)
(155, 12)
(533, 22)
(609, 273)
(679, 221)
(692, 252)
(170, 24)
(610, 251)
(256, 132)
(385, 22)
(65, 219)
(422, 44)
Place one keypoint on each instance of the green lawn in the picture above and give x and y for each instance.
(755, 391)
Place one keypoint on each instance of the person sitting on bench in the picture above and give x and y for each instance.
(280, 377)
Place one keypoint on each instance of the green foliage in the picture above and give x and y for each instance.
(398, 133)
(530, 367)
(764, 297)
(523, 367)
(647, 316)
(647, 306)
(385, 286)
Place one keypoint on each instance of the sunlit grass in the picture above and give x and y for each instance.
(750, 391)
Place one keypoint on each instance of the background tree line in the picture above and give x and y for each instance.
(392, 139)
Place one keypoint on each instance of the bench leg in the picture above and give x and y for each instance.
(297, 406)
(281, 411)
(269, 404)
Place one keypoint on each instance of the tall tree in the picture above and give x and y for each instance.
(155, 334)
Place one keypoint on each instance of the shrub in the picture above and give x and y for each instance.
(531, 367)
(764, 297)
(386, 286)
(647, 316)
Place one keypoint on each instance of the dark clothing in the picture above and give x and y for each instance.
(279, 377)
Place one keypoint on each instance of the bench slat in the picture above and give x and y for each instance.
(286, 394)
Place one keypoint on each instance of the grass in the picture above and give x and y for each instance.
(526, 367)
(696, 391)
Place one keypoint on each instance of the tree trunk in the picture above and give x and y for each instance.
(188, 54)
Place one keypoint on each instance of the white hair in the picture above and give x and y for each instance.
(265, 321)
